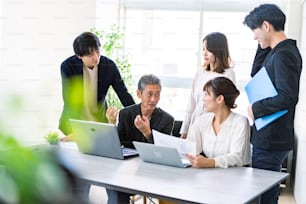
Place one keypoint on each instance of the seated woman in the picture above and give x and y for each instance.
(222, 137)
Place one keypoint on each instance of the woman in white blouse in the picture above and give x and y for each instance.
(217, 62)
(222, 137)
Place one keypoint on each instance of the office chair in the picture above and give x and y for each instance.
(176, 128)
(165, 202)
(135, 198)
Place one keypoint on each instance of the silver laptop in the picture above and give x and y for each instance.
(160, 155)
(99, 139)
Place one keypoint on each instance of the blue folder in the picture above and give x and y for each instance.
(261, 87)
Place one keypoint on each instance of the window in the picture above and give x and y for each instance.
(165, 43)
(168, 43)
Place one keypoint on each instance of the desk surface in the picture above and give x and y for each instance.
(216, 185)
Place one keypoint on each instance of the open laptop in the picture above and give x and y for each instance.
(160, 155)
(99, 139)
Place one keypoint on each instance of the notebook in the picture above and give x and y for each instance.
(261, 87)
(161, 155)
(100, 139)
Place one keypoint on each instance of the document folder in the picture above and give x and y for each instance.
(261, 87)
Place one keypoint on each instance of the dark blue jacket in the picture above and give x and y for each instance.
(72, 89)
(284, 66)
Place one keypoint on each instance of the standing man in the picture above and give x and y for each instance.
(86, 77)
(283, 62)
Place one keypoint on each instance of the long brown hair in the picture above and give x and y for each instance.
(216, 43)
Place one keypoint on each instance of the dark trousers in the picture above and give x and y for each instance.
(269, 160)
(117, 197)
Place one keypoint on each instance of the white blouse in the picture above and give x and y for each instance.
(195, 106)
(230, 147)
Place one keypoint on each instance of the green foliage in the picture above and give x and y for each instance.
(111, 44)
(15, 103)
(28, 176)
(110, 41)
(52, 138)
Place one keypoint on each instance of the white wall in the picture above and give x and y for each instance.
(300, 173)
(36, 36)
(293, 13)
(107, 13)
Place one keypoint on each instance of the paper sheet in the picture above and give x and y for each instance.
(182, 145)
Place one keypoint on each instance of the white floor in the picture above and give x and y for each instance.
(286, 196)
(98, 195)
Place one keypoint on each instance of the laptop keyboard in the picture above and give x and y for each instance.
(128, 151)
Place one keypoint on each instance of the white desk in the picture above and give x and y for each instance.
(190, 185)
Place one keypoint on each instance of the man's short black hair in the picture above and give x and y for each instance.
(266, 12)
(86, 43)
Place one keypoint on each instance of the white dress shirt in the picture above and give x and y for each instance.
(230, 147)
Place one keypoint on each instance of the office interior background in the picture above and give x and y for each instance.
(163, 37)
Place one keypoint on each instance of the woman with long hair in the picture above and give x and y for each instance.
(217, 62)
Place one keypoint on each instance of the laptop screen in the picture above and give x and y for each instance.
(97, 138)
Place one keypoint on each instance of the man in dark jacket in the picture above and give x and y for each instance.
(136, 122)
(86, 78)
(283, 63)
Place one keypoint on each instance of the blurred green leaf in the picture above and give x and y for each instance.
(15, 103)
(25, 174)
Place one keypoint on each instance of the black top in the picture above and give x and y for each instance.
(284, 66)
(260, 56)
(160, 121)
(72, 89)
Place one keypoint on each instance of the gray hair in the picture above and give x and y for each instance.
(149, 79)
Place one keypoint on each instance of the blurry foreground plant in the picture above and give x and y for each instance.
(31, 176)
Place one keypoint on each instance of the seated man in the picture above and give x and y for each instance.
(135, 122)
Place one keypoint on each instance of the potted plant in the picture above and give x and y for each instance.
(111, 44)
(52, 138)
